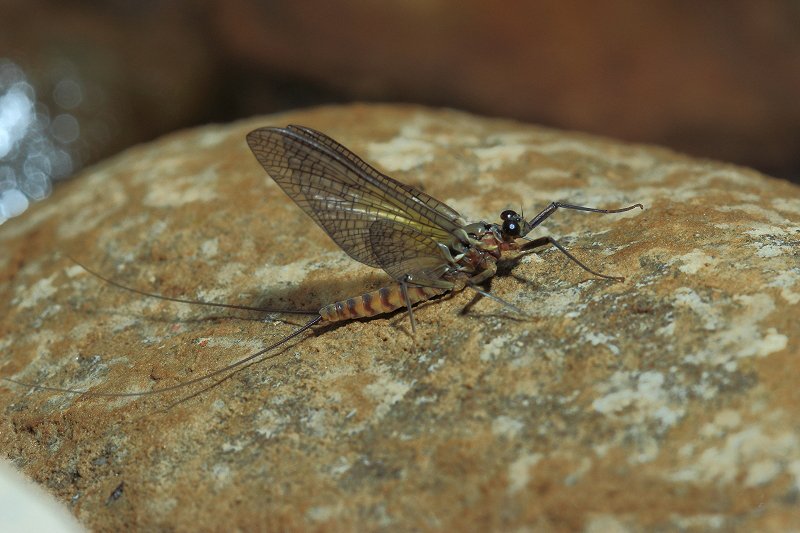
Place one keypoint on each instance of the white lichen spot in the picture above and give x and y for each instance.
(756, 211)
(295, 273)
(531, 258)
(519, 473)
(471, 208)
(761, 473)
(686, 450)
(575, 476)
(341, 466)
(787, 204)
(316, 420)
(742, 451)
(511, 138)
(74, 270)
(756, 307)
(231, 341)
(162, 506)
(601, 449)
(547, 173)
(401, 153)
(40, 290)
(212, 137)
(604, 523)
(741, 337)
(527, 387)
(321, 513)
(175, 191)
(210, 247)
(562, 302)
(736, 176)
(646, 450)
(770, 250)
(222, 474)
(773, 239)
(337, 372)
(760, 229)
(637, 399)
(335, 397)
(709, 314)
(269, 423)
(786, 281)
(494, 157)
(601, 339)
(436, 365)
(235, 446)
(570, 145)
(492, 349)
(770, 343)
(794, 469)
(728, 419)
(668, 330)
(694, 261)
(523, 361)
(89, 209)
(505, 426)
(229, 273)
(699, 522)
(386, 392)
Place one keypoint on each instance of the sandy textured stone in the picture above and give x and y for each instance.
(668, 401)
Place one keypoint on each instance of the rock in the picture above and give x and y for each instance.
(666, 401)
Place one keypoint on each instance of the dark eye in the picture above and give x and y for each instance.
(508, 214)
(511, 227)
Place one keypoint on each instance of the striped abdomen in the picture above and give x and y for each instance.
(373, 303)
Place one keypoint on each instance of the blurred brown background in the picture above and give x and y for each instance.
(719, 79)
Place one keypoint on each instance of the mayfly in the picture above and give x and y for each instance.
(425, 245)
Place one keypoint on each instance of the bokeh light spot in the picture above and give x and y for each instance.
(12, 203)
(68, 94)
(65, 128)
(33, 147)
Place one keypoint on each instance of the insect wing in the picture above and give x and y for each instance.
(403, 251)
(345, 195)
(422, 201)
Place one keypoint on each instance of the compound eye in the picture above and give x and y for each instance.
(508, 214)
(511, 227)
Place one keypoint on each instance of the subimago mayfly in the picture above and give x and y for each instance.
(425, 245)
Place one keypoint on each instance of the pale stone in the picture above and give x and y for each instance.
(667, 401)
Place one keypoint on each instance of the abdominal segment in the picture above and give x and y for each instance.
(373, 303)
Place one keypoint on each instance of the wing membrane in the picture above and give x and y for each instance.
(402, 250)
(345, 195)
(415, 195)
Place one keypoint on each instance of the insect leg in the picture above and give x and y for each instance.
(550, 209)
(490, 271)
(448, 256)
(404, 287)
(496, 299)
(541, 241)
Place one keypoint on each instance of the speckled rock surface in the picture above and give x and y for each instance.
(667, 401)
